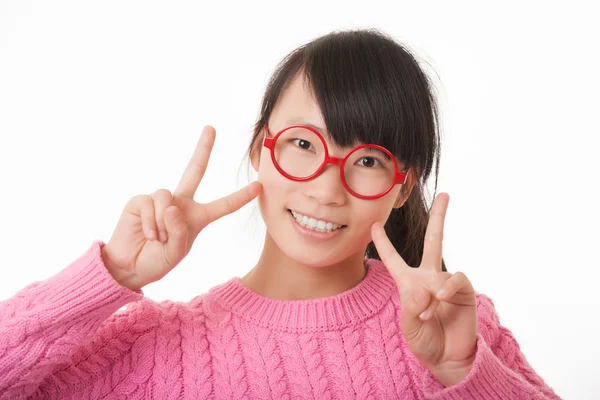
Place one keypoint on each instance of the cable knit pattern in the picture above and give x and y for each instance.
(356, 361)
(80, 335)
(219, 329)
(197, 358)
(313, 358)
(336, 362)
(379, 369)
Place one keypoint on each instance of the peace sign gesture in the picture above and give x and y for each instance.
(156, 231)
(438, 309)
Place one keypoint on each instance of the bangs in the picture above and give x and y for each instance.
(370, 90)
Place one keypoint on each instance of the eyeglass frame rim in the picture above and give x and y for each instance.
(399, 177)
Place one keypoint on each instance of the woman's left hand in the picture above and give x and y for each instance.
(438, 309)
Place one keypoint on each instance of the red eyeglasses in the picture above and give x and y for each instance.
(299, 153)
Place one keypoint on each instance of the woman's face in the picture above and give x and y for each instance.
(323, 198)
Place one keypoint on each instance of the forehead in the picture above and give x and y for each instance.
(297, 105)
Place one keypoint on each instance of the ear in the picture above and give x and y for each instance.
(406, 189)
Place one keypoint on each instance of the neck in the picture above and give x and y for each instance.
(277, 276)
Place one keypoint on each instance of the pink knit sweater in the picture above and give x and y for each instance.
(66, 338)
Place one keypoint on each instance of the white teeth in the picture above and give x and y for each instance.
(317, 225)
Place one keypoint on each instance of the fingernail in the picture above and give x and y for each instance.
(162, 236)
(441, 293)
(423, 314)
(150, 234)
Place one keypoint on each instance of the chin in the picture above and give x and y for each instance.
(312, 259)
(313, 255)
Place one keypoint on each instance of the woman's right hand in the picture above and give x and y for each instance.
(156, 231)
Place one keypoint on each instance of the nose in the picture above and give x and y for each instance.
(327, 187)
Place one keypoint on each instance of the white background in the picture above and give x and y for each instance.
(100, 101)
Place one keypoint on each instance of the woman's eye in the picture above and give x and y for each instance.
(369, 162)
(303, 144)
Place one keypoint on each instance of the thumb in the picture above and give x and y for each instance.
(177, 231)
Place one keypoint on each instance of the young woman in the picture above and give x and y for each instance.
(350, 297)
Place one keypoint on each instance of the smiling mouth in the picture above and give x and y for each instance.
(315, 224)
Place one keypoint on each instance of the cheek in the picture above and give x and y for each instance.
(275, 188)
(268, 175)
(365, 214)
(370, 211)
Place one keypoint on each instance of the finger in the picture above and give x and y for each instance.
(146, 206)
(434, 235)
(228, 204)
(176, 247)
(430, 310)
(414, 299)
(162, 199)
(436, 282)
(457, 284)
(197, 166)
(387, 253)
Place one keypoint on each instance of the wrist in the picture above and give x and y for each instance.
(453, 372)
(124, 279)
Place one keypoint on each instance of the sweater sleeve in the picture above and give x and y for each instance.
(57, 335)
(500, 370)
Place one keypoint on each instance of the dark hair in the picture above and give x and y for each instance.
(371, 89)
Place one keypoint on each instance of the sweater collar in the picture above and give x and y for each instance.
(321, 314)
